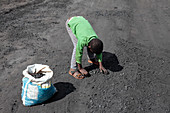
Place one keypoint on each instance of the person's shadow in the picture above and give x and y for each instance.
(110, 62)
(63, 89)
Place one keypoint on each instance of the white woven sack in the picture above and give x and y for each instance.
(36, 68)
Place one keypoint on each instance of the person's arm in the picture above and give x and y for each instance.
(99, 57)
(79, 53)
(102, 69)
(82, 70)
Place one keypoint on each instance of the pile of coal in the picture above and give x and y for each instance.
(37, 75)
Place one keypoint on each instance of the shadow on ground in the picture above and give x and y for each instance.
(63, 89)
(110, 62)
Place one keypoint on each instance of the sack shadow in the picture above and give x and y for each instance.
(110, 62)
(63, 89)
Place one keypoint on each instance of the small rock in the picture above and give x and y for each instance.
(43, 104)
(126, 87)
(115, 7)
(132, 98)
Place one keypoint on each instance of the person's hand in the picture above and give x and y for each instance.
(103, 70)
(83, 71)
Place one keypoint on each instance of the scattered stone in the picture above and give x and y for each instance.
(126, 87)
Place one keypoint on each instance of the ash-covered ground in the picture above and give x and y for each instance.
(136, 37)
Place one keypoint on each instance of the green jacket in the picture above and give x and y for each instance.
(84, 33)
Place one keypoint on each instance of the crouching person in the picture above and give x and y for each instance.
(83, 35)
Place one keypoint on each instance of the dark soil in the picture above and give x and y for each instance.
(136, 41)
